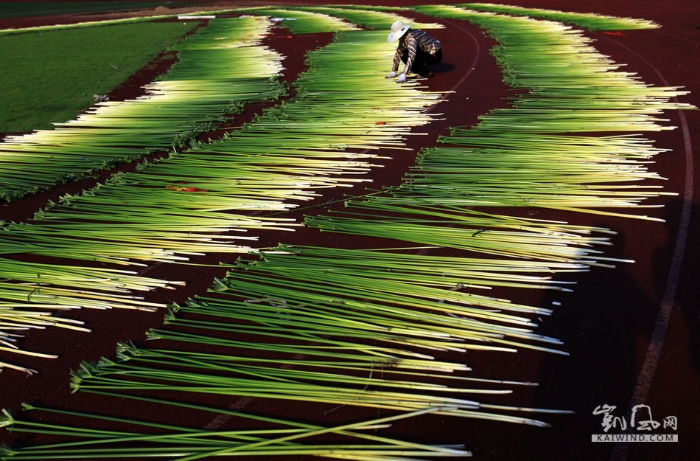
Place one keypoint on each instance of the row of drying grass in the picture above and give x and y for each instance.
(52, 75)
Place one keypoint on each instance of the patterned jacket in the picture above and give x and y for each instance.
(411, 41)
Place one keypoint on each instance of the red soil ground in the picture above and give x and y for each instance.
(609, 325)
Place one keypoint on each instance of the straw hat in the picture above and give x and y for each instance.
(397, 30)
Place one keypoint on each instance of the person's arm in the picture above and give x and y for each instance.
(397, 58)
(395, 64)
(412, 45)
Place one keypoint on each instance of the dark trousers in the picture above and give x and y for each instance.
(422, 61)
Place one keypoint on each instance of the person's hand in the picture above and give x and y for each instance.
(392, 74)
(402, 78)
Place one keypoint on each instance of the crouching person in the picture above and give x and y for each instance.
(416, 49)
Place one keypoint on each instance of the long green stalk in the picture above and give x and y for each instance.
(186, 443)
(298, 385)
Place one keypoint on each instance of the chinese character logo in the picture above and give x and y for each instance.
(641, 419)
(610, 421)
(643, 424)
(671, 422)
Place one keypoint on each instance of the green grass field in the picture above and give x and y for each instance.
(24, 9)
(51, 75)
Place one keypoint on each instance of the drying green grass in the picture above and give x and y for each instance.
(302, 22)
(282, 438)
(55, 73)
(371, 19)
(589, 21)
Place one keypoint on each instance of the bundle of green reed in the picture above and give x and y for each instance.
(301, 22)
(590, 21)
(151, 440)
(366, 17)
